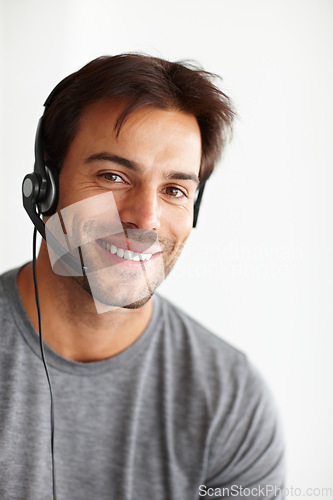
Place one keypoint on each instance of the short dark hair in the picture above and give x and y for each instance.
(142, 81)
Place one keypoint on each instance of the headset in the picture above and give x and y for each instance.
(40, 192)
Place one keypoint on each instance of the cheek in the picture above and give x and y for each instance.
(180, 227)
(65, 189)
(71, 189)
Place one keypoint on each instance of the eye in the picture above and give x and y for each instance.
(111, 177)
(174, 192)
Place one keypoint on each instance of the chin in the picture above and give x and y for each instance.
(139, 303)
(111, 299)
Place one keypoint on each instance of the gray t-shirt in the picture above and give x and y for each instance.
(177, 413)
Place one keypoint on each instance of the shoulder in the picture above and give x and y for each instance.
(221, 373)
(8, 286)
(11, 307)
(194, 342)
(245, 431)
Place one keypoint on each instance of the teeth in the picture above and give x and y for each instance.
(128, 255)
(125, 254)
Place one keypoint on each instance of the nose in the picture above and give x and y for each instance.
(140, 209)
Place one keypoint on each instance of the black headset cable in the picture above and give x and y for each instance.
(44, 361)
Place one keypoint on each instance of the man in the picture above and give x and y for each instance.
(147, 402)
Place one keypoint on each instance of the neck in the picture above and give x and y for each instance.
(70, 323)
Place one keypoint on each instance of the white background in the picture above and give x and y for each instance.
(258, 269)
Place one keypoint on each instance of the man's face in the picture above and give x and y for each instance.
(151, 172)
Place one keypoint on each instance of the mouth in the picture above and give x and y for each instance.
(124, 253)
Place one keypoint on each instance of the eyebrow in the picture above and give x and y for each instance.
(132, 165)
(114, 158)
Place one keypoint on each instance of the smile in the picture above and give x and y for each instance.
(124, 254)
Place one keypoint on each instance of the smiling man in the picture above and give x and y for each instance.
(147, 402)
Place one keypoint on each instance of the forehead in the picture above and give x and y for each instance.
(149, 136)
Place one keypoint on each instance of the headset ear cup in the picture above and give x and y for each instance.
(50, 202)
